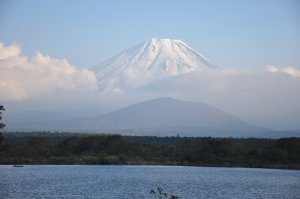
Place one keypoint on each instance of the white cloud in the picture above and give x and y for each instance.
(288, 70)
(24, 78)
(268, 98)
(9, 51)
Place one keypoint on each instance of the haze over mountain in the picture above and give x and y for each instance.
(150, 61)
(156, 68)
(167, 116)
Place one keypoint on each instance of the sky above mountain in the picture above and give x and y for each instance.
(49, 51)
(234, 33)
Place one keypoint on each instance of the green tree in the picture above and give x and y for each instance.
(2, 125)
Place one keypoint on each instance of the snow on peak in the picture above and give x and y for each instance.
(152, 60)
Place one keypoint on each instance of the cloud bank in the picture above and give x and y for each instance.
(23, 78)
(267, 98)
(288, 70)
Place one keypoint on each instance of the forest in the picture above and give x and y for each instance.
(75, 148)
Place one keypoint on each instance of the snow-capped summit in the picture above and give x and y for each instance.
(152, 60)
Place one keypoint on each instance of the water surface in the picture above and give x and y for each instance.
(126, 182)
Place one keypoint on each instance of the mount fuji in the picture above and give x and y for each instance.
(150, 61)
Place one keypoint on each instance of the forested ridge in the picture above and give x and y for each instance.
(70, 148)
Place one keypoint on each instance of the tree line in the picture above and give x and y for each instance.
(48, 148)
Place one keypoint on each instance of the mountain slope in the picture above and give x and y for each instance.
(167, 116)
(149, 61)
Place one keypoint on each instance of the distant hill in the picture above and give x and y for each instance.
(166, 117)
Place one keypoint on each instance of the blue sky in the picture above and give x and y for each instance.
(232, 34)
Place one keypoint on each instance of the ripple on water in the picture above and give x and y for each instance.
(129, 182)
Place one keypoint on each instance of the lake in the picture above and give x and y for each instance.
(107, 182)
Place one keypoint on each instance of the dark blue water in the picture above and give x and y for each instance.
(137, 181)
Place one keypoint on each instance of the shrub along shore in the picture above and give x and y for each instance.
(72, 148)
